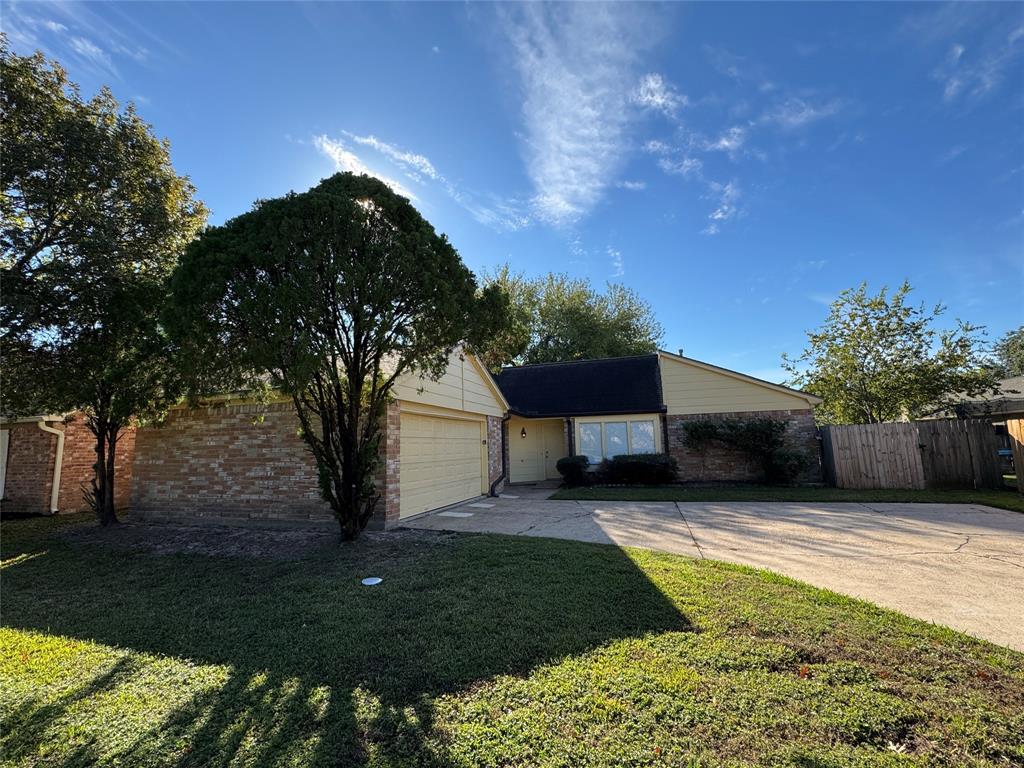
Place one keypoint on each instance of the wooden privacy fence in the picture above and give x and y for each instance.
(945, 453)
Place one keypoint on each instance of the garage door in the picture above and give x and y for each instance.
(440, 462)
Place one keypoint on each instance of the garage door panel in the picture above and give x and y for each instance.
(440, 462)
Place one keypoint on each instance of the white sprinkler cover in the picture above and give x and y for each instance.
(372, 581)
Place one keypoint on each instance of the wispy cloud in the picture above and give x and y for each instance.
(576, 63)
(655, 93)
(796, 112)
(727, 196)
(684, 166)
(730, 142)
(345, 159)
(974, 75)
(615, 256)
(631, 185)
(490, 210)
(406, 160)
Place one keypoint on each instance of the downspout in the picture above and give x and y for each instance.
(504, 454)
(58, 462)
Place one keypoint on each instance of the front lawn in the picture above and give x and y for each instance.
(475, 650)
(1002, 499)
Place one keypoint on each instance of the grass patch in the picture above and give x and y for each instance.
(1002, 499)
(475, 650)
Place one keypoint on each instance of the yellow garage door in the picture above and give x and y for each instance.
(440, 462)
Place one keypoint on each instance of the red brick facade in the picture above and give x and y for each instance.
(30, 461)
(386, 513)
(227, 462)
(719, 464)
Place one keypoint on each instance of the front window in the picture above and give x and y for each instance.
(615, 439)
(641, 437)
(605, 439)
(590, 442)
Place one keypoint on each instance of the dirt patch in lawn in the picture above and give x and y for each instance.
(237, 541)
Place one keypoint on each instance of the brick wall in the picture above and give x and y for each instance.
(386, 513)
(30, 458)
(495, 459)
(29, 479)
(222, 463)
(79, 461)
(719, 464)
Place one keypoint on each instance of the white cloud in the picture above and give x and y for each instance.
(346, 160)
(632, 186)
(654, 92)
(796, 112)
(618, 269)
(730, 142)
(728, 196)
(657, 147)
(406, 160)
(53, 26)
(576, 64)
(686, 166)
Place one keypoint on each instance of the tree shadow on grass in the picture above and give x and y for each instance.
(317, 669)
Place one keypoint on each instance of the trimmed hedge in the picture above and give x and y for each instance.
(640, 469)
(573, 469)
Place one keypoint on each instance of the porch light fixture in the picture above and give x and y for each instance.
(522, 432)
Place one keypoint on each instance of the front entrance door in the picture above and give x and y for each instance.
(553, 446)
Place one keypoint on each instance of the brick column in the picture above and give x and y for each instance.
(387, 511)
(495, 459)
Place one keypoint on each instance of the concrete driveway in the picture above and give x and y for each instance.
(953, 564)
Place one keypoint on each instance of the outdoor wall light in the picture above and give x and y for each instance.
(522, 432)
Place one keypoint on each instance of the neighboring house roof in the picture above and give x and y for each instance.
(1008, 402)
(584, 387)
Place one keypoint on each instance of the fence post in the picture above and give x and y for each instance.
(1015, 428)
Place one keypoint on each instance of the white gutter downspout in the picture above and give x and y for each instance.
(57, 463)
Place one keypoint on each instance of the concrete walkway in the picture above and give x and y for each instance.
(953, 564)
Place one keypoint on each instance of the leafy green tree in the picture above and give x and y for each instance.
(1009, 354)
(878, 358)
(93, 220)
(557, 318)
(329, 295)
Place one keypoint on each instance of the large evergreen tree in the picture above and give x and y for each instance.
(329, 295)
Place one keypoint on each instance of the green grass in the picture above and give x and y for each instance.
(1002, 499)
(476, 650)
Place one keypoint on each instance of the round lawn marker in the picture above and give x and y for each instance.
(372, 581)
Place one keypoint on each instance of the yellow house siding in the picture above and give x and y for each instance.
(690, 388)
(462, 387)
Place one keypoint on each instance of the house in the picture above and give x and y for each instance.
(602, 408)
(462, 436)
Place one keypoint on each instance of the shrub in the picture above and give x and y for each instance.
(784, 465)
(642, 469)
(573, 469)
(763, 440)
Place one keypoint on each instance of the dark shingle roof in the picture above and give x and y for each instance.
(584, 387)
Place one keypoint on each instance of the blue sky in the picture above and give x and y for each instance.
(737, 165)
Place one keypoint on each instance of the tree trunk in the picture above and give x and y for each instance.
(103, 480)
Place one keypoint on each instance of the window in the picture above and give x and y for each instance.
(602, 440)
(615, 439)
(641, 437)
(590, 442)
